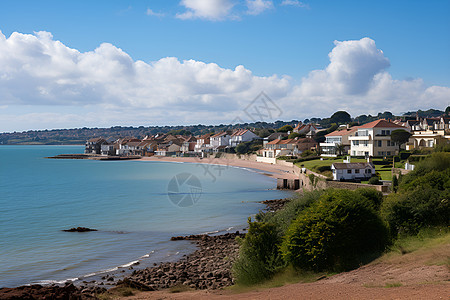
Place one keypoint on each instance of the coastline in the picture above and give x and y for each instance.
(275, 171)
(92, 287)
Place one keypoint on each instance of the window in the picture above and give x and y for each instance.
(355, 143)
(365, 143)
(380, 143)
(388, 153)
(368, 171)
(357, 171)
(349, 171)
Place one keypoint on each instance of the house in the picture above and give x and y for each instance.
(274, 136)
(278, 147)
(335, 138)
(374, 139)
(308, 130)
(304, 144)
(94, 145)
(203, 143)
(352, 171)
(108, 149)
(241, 135)
(168, 149)
(219, 139)
(188, 145)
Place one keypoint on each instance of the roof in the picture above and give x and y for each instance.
(298, 125)
(282, 142)
(96, 140)
(342, 132)
(239, 132)
(219, 134)
(381, 123)
(353, 165)
(306, 141)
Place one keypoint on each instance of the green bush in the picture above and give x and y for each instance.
(421, 201)
(423, 197)
(375, 197)
(375, 180)
(338, 232)
(323, 168)
(259, 256)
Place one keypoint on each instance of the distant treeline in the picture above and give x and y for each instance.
(79, 136)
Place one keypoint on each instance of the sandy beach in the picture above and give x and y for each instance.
(276, 171)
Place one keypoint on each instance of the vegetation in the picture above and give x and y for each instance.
(248, 147)
(285, 128)
(423, 197)
(400, 137)
(334, 230)
(338, 232)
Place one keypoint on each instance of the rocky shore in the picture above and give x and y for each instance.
(207, 268)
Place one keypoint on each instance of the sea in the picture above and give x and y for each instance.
(136, 206)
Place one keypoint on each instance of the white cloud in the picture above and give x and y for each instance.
(106, 87)
(256, 7)
(214, 10)
(150, 12)
(294, 3)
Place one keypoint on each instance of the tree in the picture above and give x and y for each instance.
(447, 111)
(400, 136)
(293, 135)
(285, 128)
(340, 148)
(340, 117)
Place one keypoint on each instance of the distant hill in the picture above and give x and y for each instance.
(79, 136)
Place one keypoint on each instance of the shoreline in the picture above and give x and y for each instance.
(275, 171)
(210, 266)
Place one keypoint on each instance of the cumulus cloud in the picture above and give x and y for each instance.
(294, 3)
(107, 87)
(211, 10)
(256, 7)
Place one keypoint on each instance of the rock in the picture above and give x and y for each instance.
(79, 229)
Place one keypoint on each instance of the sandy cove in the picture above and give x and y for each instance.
(276, 171)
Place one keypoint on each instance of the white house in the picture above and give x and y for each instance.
(352, 171)
(374, 139)
(241, 135)
(335, 138)
(220, 139)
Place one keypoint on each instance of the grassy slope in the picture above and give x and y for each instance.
(383, 170)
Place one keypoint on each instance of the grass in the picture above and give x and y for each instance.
(179, 288)
(286, 276)
(383, 169)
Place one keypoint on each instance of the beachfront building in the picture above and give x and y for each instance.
(274, 136)
(169, 149)
(94, 145)
(330, 148)
(240, 136)
(203, 143)
(374, 139)
(278, 147)
(220, 140)
(352, 171)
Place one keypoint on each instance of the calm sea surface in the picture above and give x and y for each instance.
(127, 201)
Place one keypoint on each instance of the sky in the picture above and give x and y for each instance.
(102, 63)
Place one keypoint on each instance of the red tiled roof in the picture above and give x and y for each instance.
(343, 132)
(219, 134)
(380, 123)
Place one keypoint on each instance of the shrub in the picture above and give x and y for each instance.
(375, 180)
(323, 168)
(259, 256)
(338, 232)
(420, 201)
(375, 197)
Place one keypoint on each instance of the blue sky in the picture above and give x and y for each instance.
(283, 46)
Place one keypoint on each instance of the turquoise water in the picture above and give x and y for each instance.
(127, 201)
